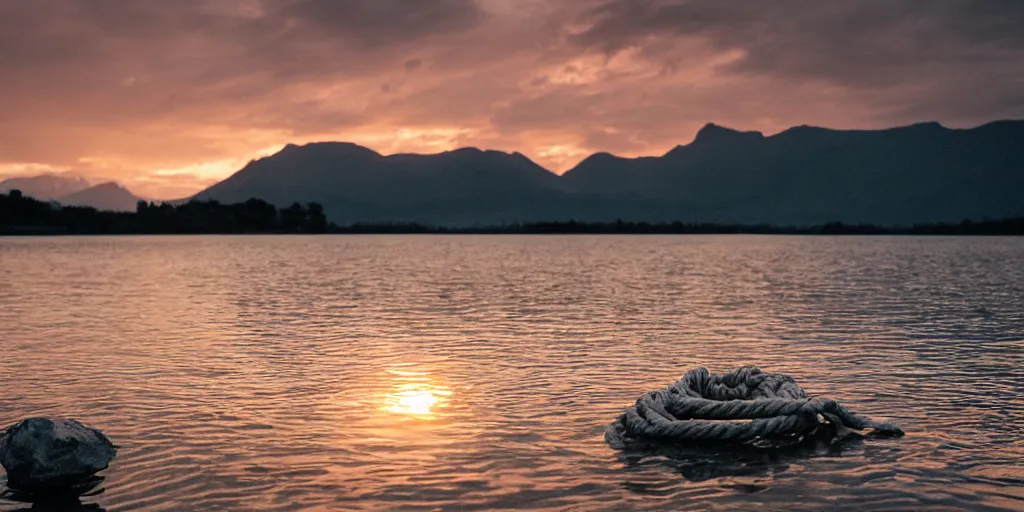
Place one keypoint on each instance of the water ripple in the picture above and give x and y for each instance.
(478, 373)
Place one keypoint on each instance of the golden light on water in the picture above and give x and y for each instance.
(416, 395)
(413, 402)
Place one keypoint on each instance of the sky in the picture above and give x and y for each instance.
(168, 97)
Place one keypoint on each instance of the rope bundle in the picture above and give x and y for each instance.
(697, 407)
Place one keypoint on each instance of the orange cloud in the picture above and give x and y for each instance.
(167, 97)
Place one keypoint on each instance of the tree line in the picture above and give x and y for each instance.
(23, 214)
(1010, 226)
(20, 214)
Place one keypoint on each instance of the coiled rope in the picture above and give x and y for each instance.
(700, 407)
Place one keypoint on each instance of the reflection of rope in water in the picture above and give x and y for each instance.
(708, 462)
(701, 407)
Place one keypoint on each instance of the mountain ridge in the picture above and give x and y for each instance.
(108, 195)
(1017, 123)
(923, 172)
(46, 186)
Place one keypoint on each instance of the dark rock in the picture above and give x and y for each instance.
(43, 454)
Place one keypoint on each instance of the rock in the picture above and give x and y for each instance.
(42, 454)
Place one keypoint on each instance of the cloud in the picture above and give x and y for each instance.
(377, 23)
(912, 51)
(149, 91)
(150, 78)
(870, 42)
(413, 64)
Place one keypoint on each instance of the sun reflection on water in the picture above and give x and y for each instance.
(413, 402)
(415, 395)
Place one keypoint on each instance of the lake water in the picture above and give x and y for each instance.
(479, 372)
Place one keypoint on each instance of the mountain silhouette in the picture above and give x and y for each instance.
(105, 196)
(356, 184)
(804, 175)
(46, 187)
(918, 173)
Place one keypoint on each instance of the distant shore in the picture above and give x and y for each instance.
(25, 216)
(1003, 227)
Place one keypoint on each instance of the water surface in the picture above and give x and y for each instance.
(479, 372)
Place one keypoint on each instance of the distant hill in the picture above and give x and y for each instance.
(804, 175)
(105, 196)
(174, 202)
(356, 184)
(46, 187)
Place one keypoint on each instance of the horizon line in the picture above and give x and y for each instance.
(706, 125)
(709, 124)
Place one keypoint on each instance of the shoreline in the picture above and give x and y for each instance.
(529, 232)
(25, 216)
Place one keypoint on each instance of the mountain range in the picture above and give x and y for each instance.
(922, 173)
(105, 196)
(46, 187)
(73, 190)
(804, 175)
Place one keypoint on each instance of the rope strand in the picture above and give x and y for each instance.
(701, 405)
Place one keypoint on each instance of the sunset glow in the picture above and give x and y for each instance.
(413, 402)
(169, 97)
(415, 392)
